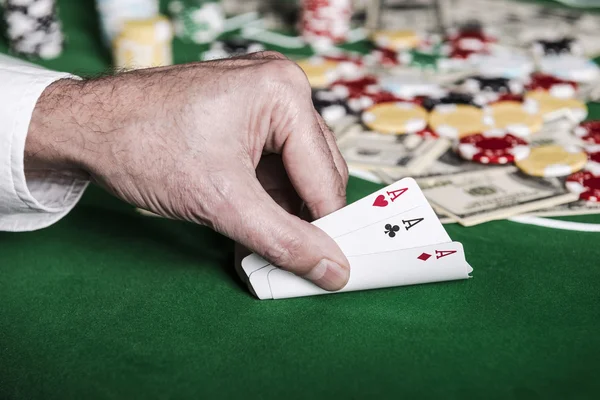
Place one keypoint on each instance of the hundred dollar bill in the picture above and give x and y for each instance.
(449, 163)
(396, 154)
(475, 197)
(579, 207)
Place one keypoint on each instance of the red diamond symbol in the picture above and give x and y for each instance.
(424, 256)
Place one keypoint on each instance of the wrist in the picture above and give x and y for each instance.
(52, 141)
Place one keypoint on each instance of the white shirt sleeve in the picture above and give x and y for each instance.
(42, 199)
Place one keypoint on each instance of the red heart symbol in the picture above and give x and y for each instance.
(380, 201)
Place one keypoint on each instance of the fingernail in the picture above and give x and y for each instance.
(329, 275)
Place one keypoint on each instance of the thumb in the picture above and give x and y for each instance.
(285, 240)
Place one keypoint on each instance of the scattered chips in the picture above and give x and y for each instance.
(513, 117)
(551, 107)
(552, 161)
(395, 118)
(493, 147)
(325, 22)
(456, 120)
(586, 184)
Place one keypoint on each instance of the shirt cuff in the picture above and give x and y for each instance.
(37, 200)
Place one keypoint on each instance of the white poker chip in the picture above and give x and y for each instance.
(411, 87)
(570, 67)
(504, 64)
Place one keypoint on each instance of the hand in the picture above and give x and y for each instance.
(185, 142)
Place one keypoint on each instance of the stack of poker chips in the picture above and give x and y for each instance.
(33, 28)
(325, 22)
(144, 43)
(114, 13)
(199, 21)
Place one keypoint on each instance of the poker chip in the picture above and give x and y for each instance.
(589, 132)
(552, 161)
(471, 37)
(382, 57)
(565, 45)
(231, 47)
(396, 40)
(551, 107)
(556, 87)
(198, 23)
(478, 83)
(593, 163)
(429, 103)
(331, 107)
(144, 44)
(456, 120)
(586, 184)
(506, 64)
(493, 147)
(33, 28)
(409, 87)
(395, 118)
(319, 71)
(513, 117)
(325, 22)
(427, 133)
(570, 67)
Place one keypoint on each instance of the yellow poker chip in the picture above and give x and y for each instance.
(552, 161)
(519, 119)
(395, 118)
(456, 121)
(396, 39)
(319, 71)
(552, 107)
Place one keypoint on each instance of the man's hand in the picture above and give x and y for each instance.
(233, 144)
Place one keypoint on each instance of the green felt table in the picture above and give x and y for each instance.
(110, 304)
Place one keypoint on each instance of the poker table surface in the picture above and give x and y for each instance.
(108, 303)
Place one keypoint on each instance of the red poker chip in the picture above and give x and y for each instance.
(344, 58)
(586, 184)
(462, 54)
(589, 132)
(385, 57)
(353, 88)
(493, 148)
(427, 133)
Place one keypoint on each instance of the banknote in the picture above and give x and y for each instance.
(578, 207)
(475, 197)
(396, 154)
(449, 163)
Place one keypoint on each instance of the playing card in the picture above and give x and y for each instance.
(390, 201)
(433, 263)
(418, 226)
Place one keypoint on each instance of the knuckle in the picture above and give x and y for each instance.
(286, 75)
(284, 250)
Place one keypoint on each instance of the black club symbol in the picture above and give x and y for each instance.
(391, 230)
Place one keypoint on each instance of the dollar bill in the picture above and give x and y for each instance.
(396, 154)
(475, 197)
(449, 163)
(579, 207)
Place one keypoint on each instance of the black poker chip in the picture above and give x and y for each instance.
(566, 45)
(451, 98)
(239, 46)
(330, 105)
